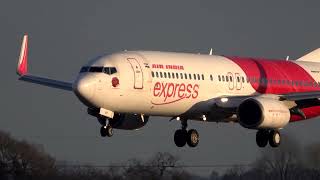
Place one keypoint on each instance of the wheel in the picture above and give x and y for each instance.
(180, 137)
(192, 138)
(109, 131)
(103, 131)
(274, 138)
(262, 138)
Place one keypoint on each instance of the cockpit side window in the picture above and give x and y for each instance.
(113, 70)
(110, 70)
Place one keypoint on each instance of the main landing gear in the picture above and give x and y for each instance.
(106, 129)
(264, 136)
(183, 137)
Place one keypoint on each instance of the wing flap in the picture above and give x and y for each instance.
(300, 96)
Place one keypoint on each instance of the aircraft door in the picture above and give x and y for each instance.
(137, 71)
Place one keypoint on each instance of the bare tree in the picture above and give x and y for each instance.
(280, 163)
(21, 159)
(162, 162)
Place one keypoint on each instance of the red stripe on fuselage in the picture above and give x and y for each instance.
(286, 76)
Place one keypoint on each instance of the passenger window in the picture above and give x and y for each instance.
(198, 76)
(222, 78)
(211, 77)
(185, 76)
(190, 77)
(152, 73)
(177, 75)
(173, 75)
(242, 79)
(181, 76)
(165, 75)
(227, 78)
(169, 75)
(161, 74)
(202, 77)
(157, 74)
(238, 79)
(219, 77)
(230, 78)
(194, 77)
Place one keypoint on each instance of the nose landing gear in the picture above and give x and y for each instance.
(183, 137)
(106, 129)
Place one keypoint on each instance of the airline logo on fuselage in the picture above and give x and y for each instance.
(167, 93)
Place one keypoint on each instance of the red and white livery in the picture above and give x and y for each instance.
(124, 89)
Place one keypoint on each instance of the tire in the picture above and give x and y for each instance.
(192, 138)
(274, 138)
(180, 137)
(262, 138)
(109, 131)
(103, 131)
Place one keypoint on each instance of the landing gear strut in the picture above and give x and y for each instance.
(106, 129)
(183, 137)
(264, 136)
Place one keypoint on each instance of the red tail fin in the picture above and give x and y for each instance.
(22, 68)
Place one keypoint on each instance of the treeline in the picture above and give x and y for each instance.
(20, 160)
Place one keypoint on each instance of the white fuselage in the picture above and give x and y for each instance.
(163, 83)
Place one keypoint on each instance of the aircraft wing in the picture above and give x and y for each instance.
(22, 71)
(230, 104)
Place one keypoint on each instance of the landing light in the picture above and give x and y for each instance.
(178, 118)
(224, 100)
(204, 117)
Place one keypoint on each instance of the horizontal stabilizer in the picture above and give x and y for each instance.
(313, 56)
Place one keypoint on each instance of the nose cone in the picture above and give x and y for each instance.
(84, 88)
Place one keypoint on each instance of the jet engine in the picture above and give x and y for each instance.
(128, 121)
(263, 113)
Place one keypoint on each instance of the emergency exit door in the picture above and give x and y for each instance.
(137, 71)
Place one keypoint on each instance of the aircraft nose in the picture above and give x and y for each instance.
(84, 88)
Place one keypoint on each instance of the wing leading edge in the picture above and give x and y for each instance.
(22, 71)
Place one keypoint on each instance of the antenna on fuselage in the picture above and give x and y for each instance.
(211, 52)
(287, 58)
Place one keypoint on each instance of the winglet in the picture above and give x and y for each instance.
(22, 68)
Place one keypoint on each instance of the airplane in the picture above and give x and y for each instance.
(124, 89)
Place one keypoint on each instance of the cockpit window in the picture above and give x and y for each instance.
(109, 70)
(84, 69)
(97, 69)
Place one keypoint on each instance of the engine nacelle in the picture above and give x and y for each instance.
(260, 112)
(128, 121)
